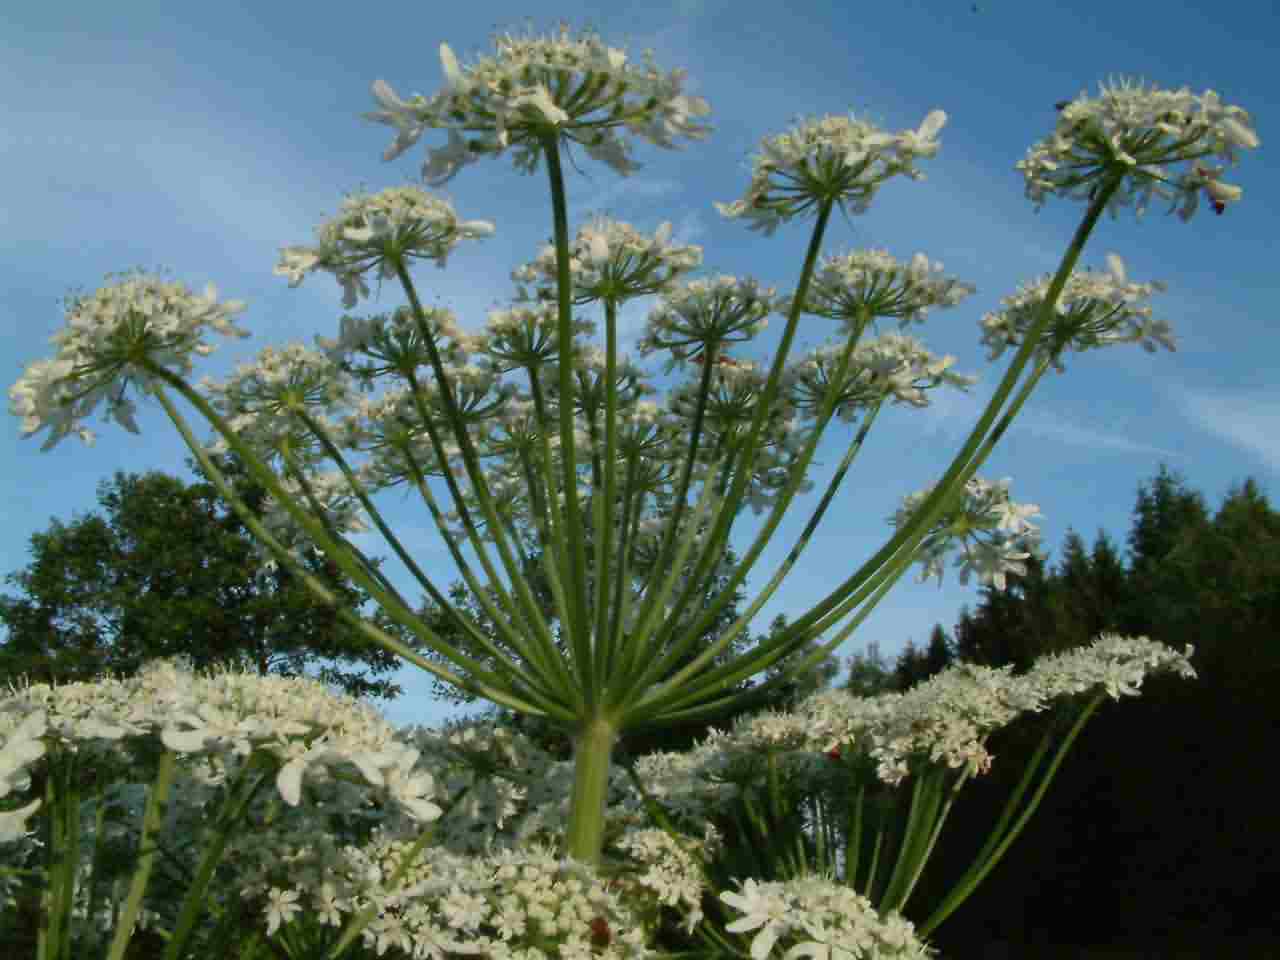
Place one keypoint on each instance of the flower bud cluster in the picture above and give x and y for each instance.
(1094, 310)
(982, 508)
(1136, 132)
(385, 229)
(830, 158)
(576, 88)
(818, 918)
(609, 260)
(110, 338)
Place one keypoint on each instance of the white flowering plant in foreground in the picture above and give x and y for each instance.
(226, 814)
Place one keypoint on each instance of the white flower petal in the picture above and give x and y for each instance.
(452, 72)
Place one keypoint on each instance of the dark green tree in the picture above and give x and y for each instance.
(167, 570)
(1166, 514)
(1014, 625)
(940, 653)
(915, 665)
(869, 672)
(817, 678)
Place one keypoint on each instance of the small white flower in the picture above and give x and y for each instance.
(281, 908)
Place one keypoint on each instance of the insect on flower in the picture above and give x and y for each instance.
(600, 933)
(722, 361)
(1218, 205)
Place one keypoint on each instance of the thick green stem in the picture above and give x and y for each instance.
(592, 751)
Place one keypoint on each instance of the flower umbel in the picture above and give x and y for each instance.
(1094, 310)
(382, 230)
(821, 919)
(577, 88)
(829, 158)
(1139, 131)
(865, 284)
(983, 507)
(611, 260)
(109, 339)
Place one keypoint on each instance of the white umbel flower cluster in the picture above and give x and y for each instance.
(672, 874)
(226, 716)
(819, 919)
(578, 88)
(893, 366)
(943, 722)
(609, 259)
(707, 312)
(1139, 131)
(1094, 310)
(868, 284)
(983, 508)
(394, 225)
(828, 158)
(102, 348)
(521, 903)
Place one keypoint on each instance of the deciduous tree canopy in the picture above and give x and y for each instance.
(167, 569)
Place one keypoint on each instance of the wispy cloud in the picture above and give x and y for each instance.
(1059, 430)
(951, 407)
(1247, 421)
(606, 192)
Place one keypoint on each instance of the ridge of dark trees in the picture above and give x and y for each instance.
(1159, 822)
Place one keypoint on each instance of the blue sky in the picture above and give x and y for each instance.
(202, 138)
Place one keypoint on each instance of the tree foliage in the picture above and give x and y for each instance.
(166, 569)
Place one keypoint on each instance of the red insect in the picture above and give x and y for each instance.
(1218, 206)
(600, 933)
(723, 360)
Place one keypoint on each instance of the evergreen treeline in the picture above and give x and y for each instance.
(1159, 821)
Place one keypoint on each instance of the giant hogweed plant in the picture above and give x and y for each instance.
(275, 819)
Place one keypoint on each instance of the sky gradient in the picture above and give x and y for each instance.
(198, 140)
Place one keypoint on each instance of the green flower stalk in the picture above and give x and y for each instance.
(545, 442)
